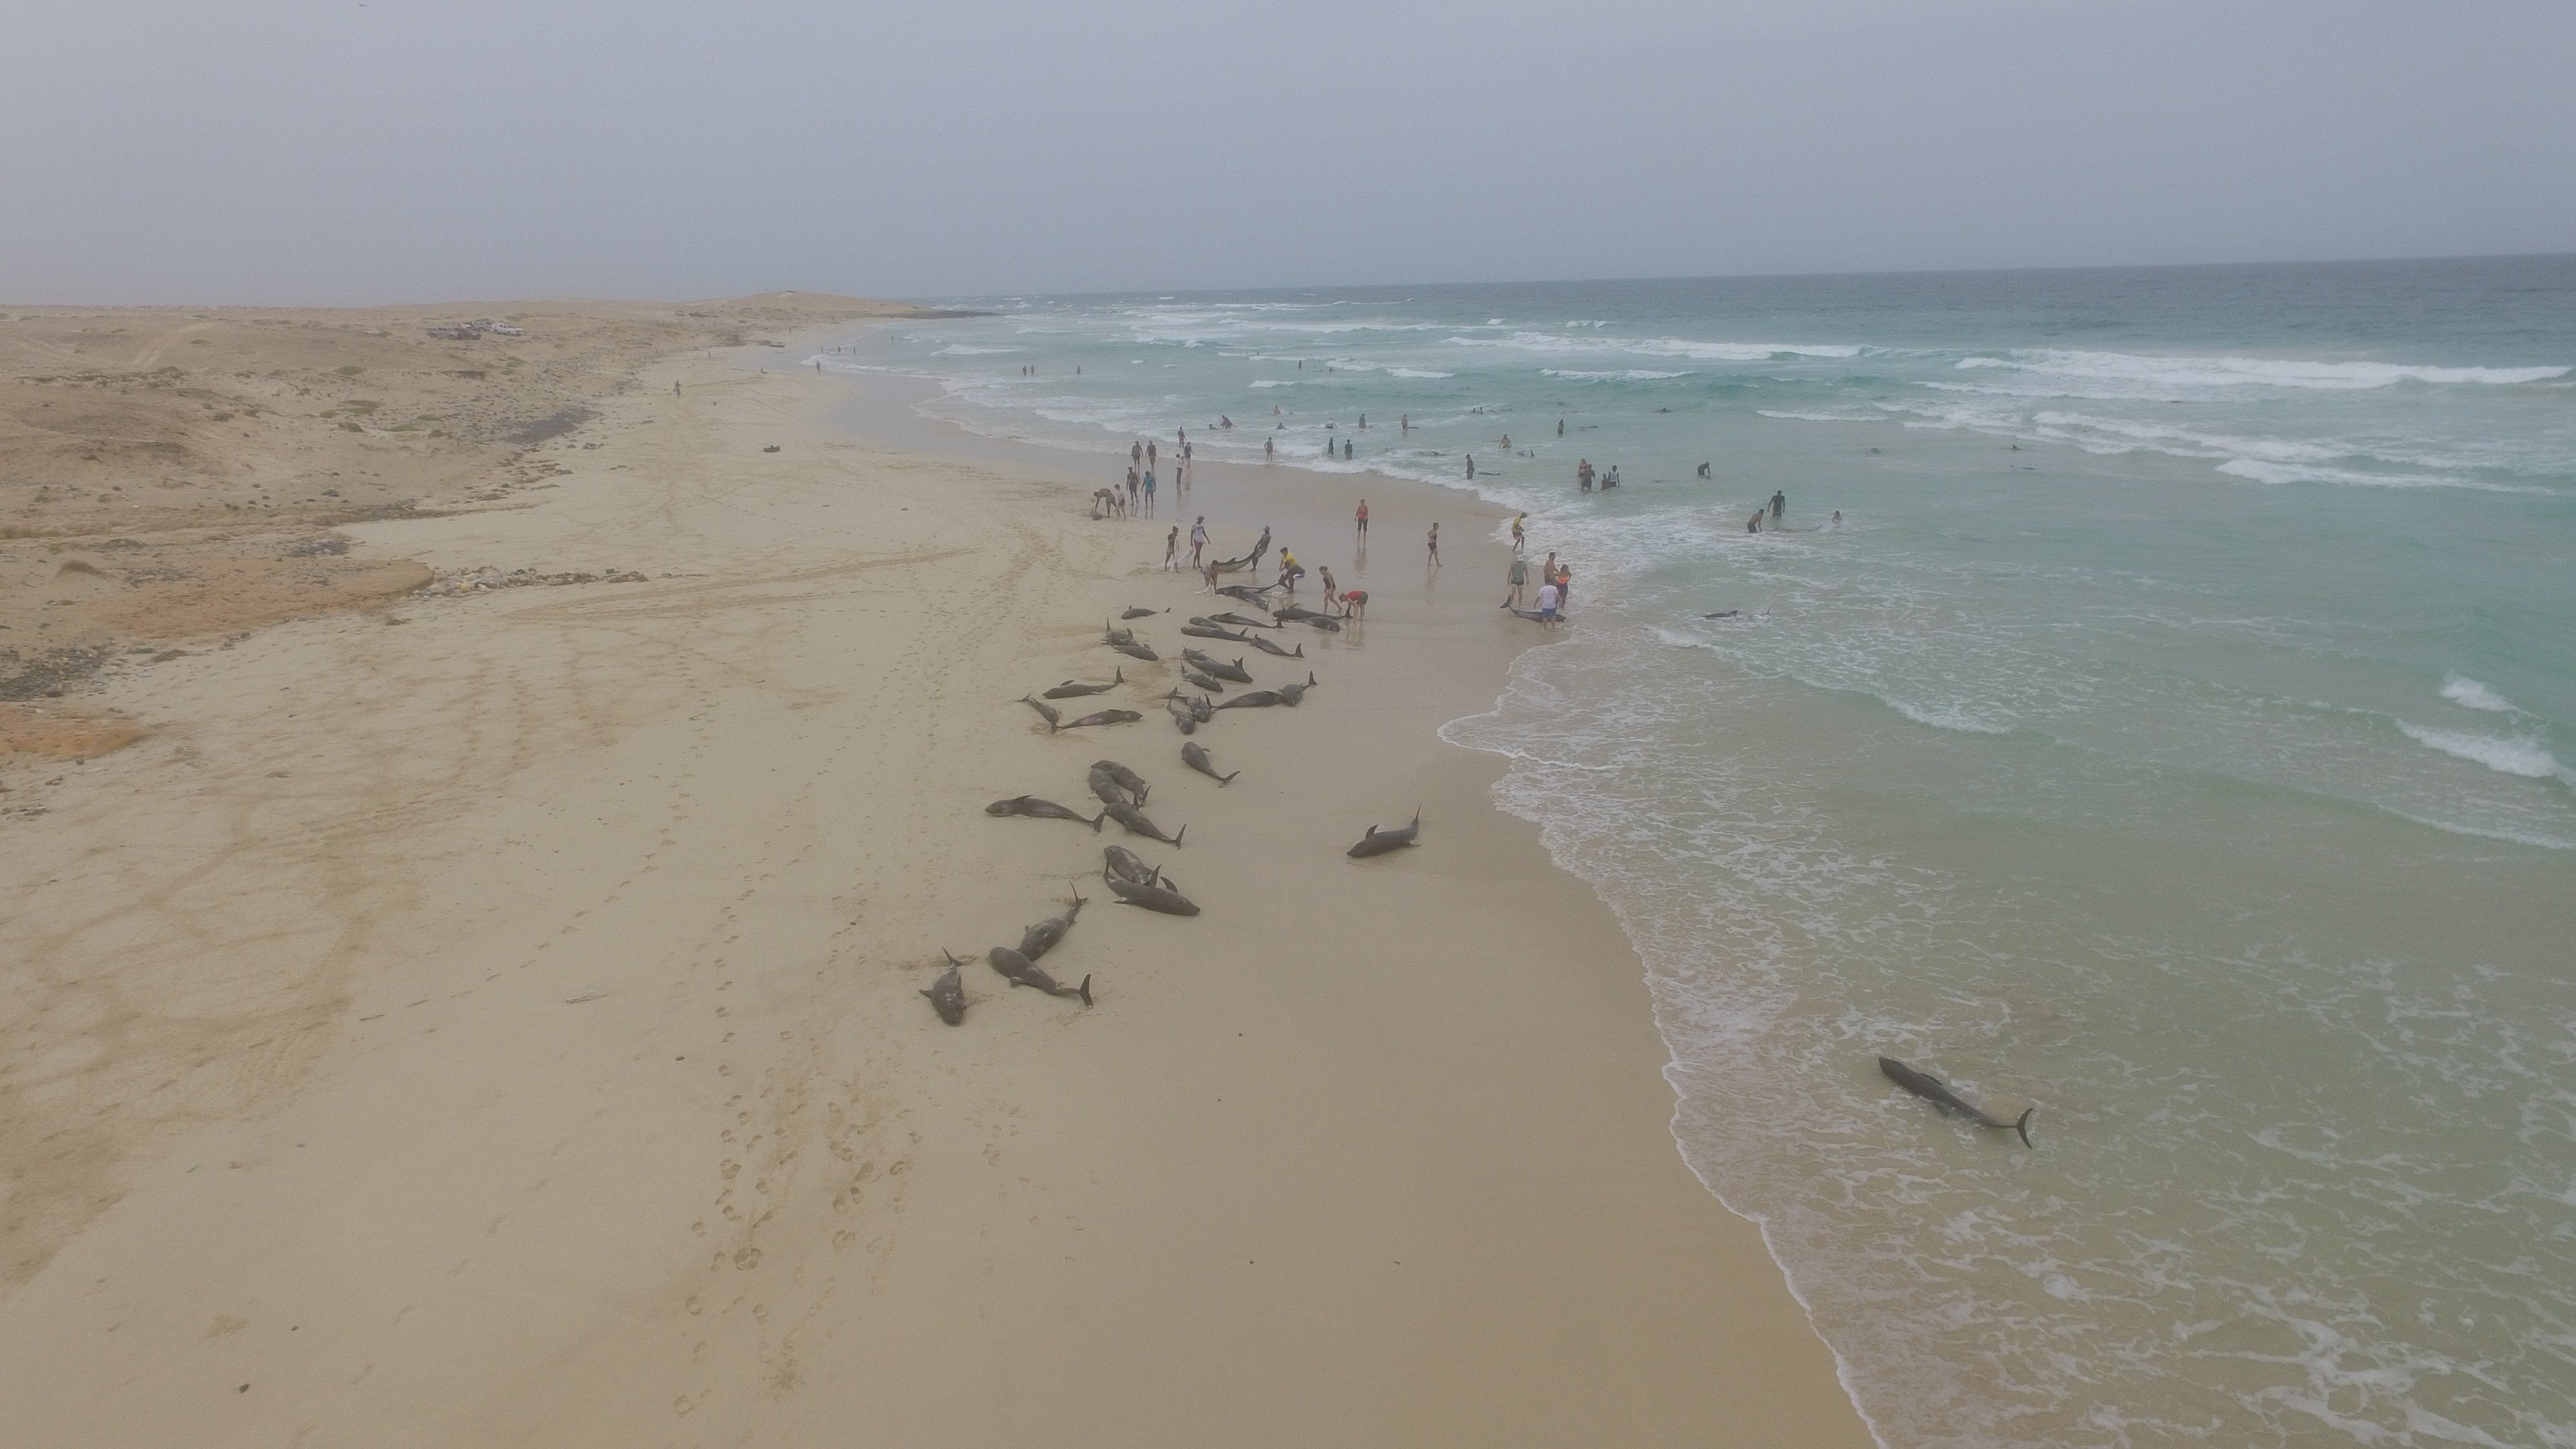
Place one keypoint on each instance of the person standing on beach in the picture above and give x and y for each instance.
(1172, 549)
(1779, 504)
(1520, 539)
(1332, 589)
(1269, 454)
(1548, 599)
(1583, 474)
(1471, 467)
(1560, 427)
(1198, 539)
(1135, 455)
(1408, 422)
(1517, 576)
(1149, 493)
(1435, 545)
(1149, 453)
(1362, 517)
(1564, 582)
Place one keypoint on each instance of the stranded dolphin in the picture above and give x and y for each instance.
(1037, 809)
(1930, 1089)
(1152, 897)
(1076, 689)
(1025, 972)
(1099, 717)
(1039, 939)
(1196, 757)
(1379, 842)
(1136, 823)
(946, 996)
(1128, 780)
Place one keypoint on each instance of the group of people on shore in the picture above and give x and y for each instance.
(1142, 458)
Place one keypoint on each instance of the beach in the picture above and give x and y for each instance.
(490, 1015)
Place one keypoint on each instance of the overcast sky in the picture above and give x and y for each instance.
(285, 151)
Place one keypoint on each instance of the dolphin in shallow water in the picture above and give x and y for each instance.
(1930, 1089)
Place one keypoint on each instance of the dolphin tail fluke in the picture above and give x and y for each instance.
(1301, 652)
(1176, 840)
(1085, 989)
(1310, 679)
(1118, 675)
(1095, 821)
(2021, 1125)
(1222, 781)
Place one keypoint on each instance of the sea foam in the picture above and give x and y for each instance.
(2506, 757)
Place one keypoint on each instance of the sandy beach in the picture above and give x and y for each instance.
(490, 1014)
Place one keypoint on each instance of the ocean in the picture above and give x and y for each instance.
(2176, 733)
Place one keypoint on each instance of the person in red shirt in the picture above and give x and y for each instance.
(1363, 515)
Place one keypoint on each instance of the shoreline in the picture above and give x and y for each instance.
(589, 920)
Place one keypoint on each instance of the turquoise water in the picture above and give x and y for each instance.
(2175, 735)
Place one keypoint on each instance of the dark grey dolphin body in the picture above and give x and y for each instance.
(1192, 676)
(1196, 757)
(1245, 592)
(1025, 972)
(1182, 715)
(1118, 862)
(1931, 1089)
(1239, 621)
(1106, 788)
(1210, 631)
(1294, 694)
(947, 997)
(1266, 647)
(1326, 623)
(1128, 780)
(1037, 809)
(1210, 664)
(1152, 897)
(1101, 717)
(1134, 650)
(1045, 711)
(1136, 824)
(1114, 637)
(1258, 699)
(1379, 842)
(1291, 613)
(1137, 613)
(1076, 689)
(1041, 938)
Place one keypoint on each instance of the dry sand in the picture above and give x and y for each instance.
(491, 1019)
